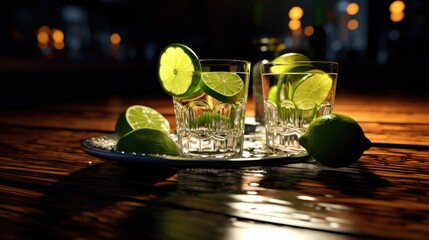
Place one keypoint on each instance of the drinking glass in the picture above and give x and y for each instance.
(211, 124)
(294, 94)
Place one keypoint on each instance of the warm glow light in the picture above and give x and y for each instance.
(352, 9)
(352, 24)
(57, 35)
(43, 35)
(294, 24)
(43, 38)
(296, 13)
(297, 32)
(115, 38)
(397, 17)
(59, 45)
(308, 31)
(397, 7)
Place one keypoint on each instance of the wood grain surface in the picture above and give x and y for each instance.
(50, 188)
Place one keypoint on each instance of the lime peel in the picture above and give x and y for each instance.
(335, 140)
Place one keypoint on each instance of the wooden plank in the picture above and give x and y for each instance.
(379, 117)
(47, 181)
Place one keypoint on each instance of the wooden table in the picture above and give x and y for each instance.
(50, 188)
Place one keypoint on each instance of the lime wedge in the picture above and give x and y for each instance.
(287, 57)
(209, 119)
(179, 70)
(137, 117)
(273, 94)
(223, 86)
(312, 90)
(148, 141)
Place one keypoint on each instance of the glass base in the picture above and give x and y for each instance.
(229, 147)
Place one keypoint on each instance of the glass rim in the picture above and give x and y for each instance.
(327, 62)
(223, 60)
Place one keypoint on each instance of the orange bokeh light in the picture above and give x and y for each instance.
(294, 24)
(397, 7)
(296, 13)
(352, 9)
(352, 24)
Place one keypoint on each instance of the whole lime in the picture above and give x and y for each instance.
(335, 140)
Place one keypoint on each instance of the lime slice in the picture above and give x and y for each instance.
(288, 57)
(209, 119)
(273, 95)
(148, 141)
(312, 90)
(285, 58)
(223, 86)
(179, 70)
(137, 117)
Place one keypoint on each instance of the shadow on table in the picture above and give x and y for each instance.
(93, 201)
(111, 200)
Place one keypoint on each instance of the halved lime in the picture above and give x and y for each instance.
(179, 70)
(148, 141)
(285, 58)
(223, 86)
(137, 117)
(312, 90)
(291, 56)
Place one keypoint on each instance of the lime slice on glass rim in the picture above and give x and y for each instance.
(179, 70)
(312, 90)
(137, 117)
(223, 86)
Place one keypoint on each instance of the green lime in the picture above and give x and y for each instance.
(179, 70)
(291, 56)
(209, 119)
(335, 140)
(286, 85)
(312, 90)
(138, 116)
(223, 86)
(148, 141)
(285, 58)
(272, 94)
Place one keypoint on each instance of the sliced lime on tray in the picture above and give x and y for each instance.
(148, 141)
(137, 117)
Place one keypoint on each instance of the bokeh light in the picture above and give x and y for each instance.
(296, 13)
(352, 9)
(294, 24)
(397, 7)
(308, 31)
(397, 17)
(43, 35)
(352, 24)
(115, 39)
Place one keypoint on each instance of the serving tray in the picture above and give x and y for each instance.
(255, 154)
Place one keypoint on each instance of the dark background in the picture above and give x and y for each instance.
(380, 55)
